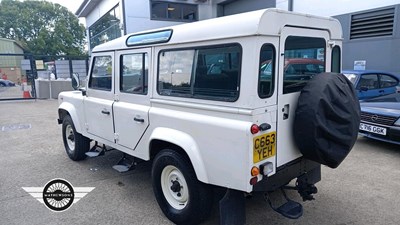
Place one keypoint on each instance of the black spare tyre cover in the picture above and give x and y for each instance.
(327, 119)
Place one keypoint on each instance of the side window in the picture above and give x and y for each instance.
(369, 81)
(101, 76)
(267, 71)
(174, 72)
(387, 81)
(207, 73)
(304, 58)
(134, 73)
(336, 60)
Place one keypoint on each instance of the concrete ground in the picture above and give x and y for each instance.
(363, 190)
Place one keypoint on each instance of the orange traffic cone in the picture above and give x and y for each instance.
(25, 89)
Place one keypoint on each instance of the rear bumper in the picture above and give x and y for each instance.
(288, 172)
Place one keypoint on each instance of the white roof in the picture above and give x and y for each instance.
(261, 22)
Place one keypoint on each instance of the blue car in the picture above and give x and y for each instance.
(380, 118)
(372, 83)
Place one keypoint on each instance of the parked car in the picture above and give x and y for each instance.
(372, 83)
(6, 83)
(380, 118)
(296, 68)
(208, 117)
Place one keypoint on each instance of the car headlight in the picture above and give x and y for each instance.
(397, 123)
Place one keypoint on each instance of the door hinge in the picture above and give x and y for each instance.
(116, 97)
(331, 43)
(116, 137)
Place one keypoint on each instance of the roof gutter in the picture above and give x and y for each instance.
(86, 7)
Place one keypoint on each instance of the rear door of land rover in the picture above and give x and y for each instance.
(300, 44)
(133, 100)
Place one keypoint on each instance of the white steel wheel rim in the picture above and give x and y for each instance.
(70, 137)
(169, 178)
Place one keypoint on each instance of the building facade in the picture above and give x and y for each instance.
(372, 37)
(10, 65)
(110, 19)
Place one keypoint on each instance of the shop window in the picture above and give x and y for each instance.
(173, 11)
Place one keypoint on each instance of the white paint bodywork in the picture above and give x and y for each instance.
(214, 134)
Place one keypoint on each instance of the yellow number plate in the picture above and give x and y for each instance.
(264, 146)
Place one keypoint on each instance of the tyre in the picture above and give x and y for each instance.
(327, 119)
(182, 198)
(75, 144)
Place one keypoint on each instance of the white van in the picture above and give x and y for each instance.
(209, 103)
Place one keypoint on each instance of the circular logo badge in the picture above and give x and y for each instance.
(374, 118)
(58, 195)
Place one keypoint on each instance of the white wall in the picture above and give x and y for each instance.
(101, 9)
(336, 7)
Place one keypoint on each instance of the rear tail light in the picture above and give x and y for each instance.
(257, 128)
(254, 129)
(253, 181)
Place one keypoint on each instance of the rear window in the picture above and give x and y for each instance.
(304, 58)
(388, 81)
(206, 73)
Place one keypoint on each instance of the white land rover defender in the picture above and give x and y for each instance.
(233, 102)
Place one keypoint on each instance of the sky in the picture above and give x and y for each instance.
(72, 5)
(316, 7)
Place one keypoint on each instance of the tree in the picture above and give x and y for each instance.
(43, 28)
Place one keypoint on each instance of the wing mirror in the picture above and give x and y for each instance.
(76, 83)
(363, 89)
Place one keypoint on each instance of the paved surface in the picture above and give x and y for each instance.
(363, 190)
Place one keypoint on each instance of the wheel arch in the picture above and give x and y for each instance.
(68, 109)
(183, 143)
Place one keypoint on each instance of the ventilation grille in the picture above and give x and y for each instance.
(378, 119)
(372, 24)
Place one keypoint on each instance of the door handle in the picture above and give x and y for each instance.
(381, 91)
(138, 120)
(104, 111)
(285, 111)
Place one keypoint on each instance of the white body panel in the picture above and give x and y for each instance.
(214, 134)
(98, 110)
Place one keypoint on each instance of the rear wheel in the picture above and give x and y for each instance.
(76, 145)
(181, 197)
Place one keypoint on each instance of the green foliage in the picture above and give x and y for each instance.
(43, 28)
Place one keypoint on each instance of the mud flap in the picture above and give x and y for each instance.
(232, 208)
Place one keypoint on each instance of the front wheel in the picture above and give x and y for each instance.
(182, 198)
(76, 145)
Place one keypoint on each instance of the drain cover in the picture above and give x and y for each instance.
(17, 126)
